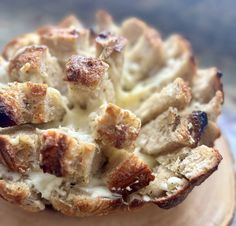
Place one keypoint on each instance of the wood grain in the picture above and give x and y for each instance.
(210, 204)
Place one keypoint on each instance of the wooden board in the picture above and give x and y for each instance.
(210, 204)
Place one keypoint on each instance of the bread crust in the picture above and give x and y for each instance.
(20, 194)
(115, 127)
(129, 176)
(22, 103)
(175, 199)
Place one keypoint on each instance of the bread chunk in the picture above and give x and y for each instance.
(62, 42)
(22, 103)
(170, 131)
(126, 173)
(34, 63)
(176, 94)
(115, 127)
(88, 82)
(64, 156)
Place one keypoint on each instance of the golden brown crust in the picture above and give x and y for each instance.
(83, 206)
(21, 155)
(170, 131)
(20, 194)
(177, 198)
(64, 156)
(29, 55)
(87, 72)
(116, 127)
(52, 153)
(9, 116)
(34, 63)
(29, 102)
(129, 176)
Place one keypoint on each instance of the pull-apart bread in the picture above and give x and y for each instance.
(107, 118)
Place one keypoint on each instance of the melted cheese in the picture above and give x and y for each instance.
(77, 119)
(45, 183)
(5, 173)
(96, 188)
(98, 191)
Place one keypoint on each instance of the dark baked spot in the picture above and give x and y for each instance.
(199, 122)
(116, 134)
(110, 42)
(6, 116)
(36, 89)
(103, 35)
(6, 154)
(85, 71)
(130, 176)
(219, 74)
(52, 153)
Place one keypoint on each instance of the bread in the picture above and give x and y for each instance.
(99, 120)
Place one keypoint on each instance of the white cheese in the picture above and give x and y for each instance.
(76, 118)
(79, 135)
(98, 191)
(4, 173)
(96, 188)
(146, 198)
(45, 183)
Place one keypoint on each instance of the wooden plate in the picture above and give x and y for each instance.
(210, 204)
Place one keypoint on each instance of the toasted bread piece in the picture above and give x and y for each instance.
(178, 173)
(125, 173)
(24, 40)
(176, 94)
(206, 83)
(53, 151)
(21, 194)
(191, 163)
(150, 41)
(18, 151)
(64, 156)
(115, 127)
(170, 131)
(212, 108)
(62, 42)
(82, 205)
(111, 48)
(29, 102)
(88, 82)
(34, 63)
